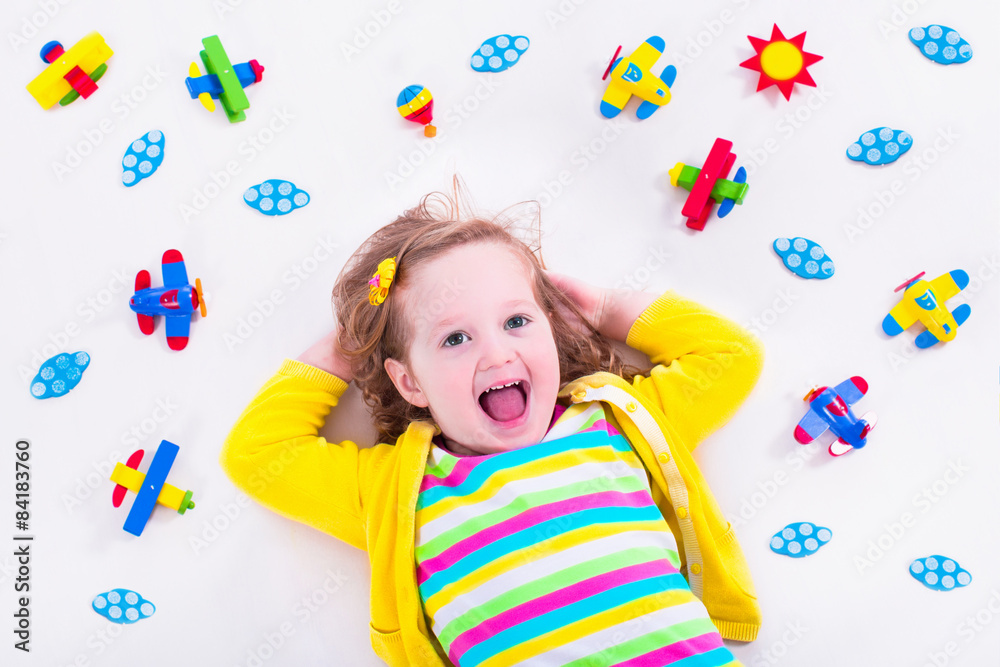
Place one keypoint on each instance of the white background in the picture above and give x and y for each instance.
(232, 581)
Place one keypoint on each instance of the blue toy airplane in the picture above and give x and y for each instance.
(831, 409)
(633, 76)
(177, 300)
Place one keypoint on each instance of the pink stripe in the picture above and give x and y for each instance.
(462, 468)
(525, 520)
(602, 425)
(555, 600)
(676, 651)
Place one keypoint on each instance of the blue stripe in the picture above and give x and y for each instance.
(532, 536)
(714, 658)
(496, 462)
(565, 616)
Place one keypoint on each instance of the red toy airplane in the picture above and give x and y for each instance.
(708, 185)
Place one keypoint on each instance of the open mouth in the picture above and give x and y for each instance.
(506, 403)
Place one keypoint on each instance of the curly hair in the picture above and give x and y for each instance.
(370, 335)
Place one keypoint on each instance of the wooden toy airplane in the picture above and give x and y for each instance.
(70, 74)
(709, 185)
(925, 301)
(831, 409)
(631, 76)
(223, 81)
(177, 300)
(150, 488)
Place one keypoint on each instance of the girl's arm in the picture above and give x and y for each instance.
(705, 364)
(275, 454)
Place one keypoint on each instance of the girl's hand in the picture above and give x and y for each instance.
(325, 354)
(611, 311)
(592, 301)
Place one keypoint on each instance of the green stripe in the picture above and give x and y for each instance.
(524, 502)
(442, 468)
(549, 583)
(645, 643)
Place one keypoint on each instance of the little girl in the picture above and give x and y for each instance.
(540, 505)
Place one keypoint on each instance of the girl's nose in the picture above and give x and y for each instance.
(496, 353)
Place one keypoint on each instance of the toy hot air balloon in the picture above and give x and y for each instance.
(415, 103)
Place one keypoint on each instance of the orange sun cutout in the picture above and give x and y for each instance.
(781, 62)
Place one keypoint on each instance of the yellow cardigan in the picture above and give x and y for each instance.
(705, 366)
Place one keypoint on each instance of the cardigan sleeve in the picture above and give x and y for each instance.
(704, 364)
(275, 454)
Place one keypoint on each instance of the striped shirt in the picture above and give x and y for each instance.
(555, 554)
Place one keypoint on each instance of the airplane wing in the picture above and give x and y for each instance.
(948, 285)
(852, 389)
(810, 427)
(174, 273)
(648, 52)
(615, 98)
(178, 327)
(900, 318)
(717, 165)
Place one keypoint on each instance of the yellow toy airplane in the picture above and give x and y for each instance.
(924, 301)
(70, 74)
(632, 76)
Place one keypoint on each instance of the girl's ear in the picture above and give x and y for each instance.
(405, 383)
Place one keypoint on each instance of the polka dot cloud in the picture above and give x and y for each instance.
(275, 197)
(880, 146)
(143, 158)
(804, 258)
(941, 44)
(499, 53)
(123, 606)
(939, 573)
(800, 539)
(60, 374)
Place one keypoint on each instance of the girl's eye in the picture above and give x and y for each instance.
(517, 321)
(455, 339)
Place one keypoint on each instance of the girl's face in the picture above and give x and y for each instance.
(482, 357)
